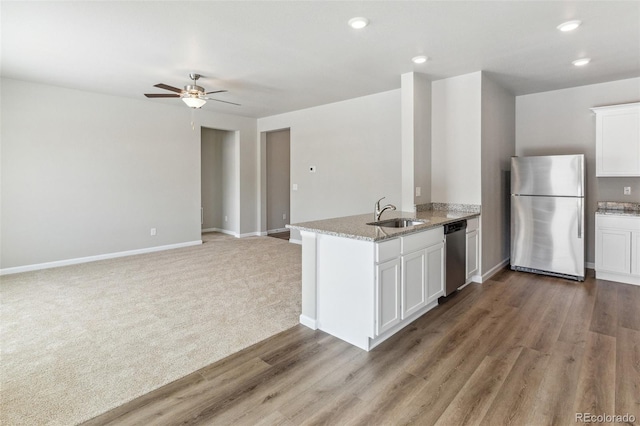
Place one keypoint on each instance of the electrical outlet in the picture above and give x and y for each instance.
(418, 191)
(153, 232)
(284, 215)
(627, 190)
(226, 218)
(312, 169)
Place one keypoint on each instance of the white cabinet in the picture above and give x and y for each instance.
(618, 140)
(422, 269)
(473, 248)
(435, 272)
(365, 291)
(409, 277)
(387, 295)
(635, 250)
(618, 248)
(414, 277)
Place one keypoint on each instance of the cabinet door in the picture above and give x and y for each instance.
(414, 280)
(635, 252)
(472, 253)
(435, 271)
(617, 142)
(613, 251)
(387, 295)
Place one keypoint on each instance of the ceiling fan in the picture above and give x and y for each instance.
(192, 94)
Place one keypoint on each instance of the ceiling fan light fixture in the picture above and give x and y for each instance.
(358, 23)
(581, 62)
(421, 59)
(194, 101)
(569, 26)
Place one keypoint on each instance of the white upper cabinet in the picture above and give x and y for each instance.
(618, 140)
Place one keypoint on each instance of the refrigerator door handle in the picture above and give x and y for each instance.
(580, 218)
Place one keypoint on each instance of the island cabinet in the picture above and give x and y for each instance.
(473, 248)
(362, 291)
(618, 140)
(618, 248)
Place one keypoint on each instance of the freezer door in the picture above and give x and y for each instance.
(553, 175)
(547, 234)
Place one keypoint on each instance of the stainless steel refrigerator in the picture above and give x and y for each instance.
(547, 215)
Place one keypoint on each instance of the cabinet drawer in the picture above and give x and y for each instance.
(387, 250)
(628, 223)
(422, 240)
(473, 224)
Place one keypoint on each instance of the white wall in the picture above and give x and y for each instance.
(498, 146)
(560, 122)
(456, 139)
(416, 139)
(354, 144)
(85, 174)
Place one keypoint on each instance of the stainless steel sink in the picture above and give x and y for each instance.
(398, 223)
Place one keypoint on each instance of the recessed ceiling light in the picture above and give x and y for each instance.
(569, 26)
(581, 62)
(419, 59)
(358, 23)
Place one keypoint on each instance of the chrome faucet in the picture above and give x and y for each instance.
(378, 212)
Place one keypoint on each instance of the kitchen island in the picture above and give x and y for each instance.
(363, 283)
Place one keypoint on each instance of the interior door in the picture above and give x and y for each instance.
(547, 233)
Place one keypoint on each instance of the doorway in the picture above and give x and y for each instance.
(219, 181)
(278, 196)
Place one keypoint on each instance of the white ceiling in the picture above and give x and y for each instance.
(276, 57)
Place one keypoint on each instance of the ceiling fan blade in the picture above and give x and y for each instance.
(161, 95)
(167, 87)
(216, 91)
(218, 100)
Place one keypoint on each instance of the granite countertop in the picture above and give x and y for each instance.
(356, 226)
(618, 208)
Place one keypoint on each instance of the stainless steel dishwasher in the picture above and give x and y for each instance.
(455, 256)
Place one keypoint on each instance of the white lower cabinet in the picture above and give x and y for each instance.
(635, 250)
(363, 291)
(414, 277)
(618, 248)
(473, 248)
(435, 272)
(418, 271)
(387, 295)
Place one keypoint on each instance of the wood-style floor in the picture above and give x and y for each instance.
(519, 349)
(285, 235)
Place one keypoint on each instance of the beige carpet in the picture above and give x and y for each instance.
(77, 341)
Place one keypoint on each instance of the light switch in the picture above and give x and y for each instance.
(295, 187)
(627, 190)
(418, 191)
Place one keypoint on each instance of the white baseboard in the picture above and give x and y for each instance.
(308, 322)
(237, 235)
(620, 278)
(491, 272)
(299, 242)
(276, 231)
(251, 234)
(67, 262)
